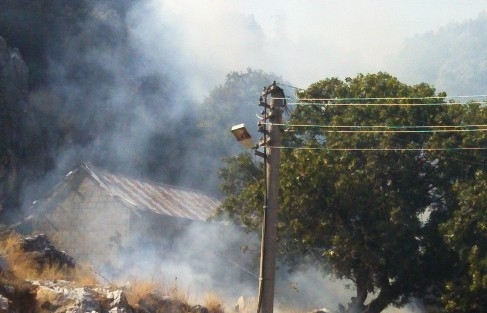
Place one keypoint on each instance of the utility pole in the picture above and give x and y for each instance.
(269, 229)
(271, 142)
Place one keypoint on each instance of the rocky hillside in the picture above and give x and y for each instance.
(13, 98)
(35, 277)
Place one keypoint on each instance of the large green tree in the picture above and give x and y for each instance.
(464, 229)
(360, 192)
(466, 233)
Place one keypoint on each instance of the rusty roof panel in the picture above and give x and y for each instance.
(158, 198)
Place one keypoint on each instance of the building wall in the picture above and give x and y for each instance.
(89, 224)
(97, 228)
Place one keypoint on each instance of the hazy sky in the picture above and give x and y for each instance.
(303, 41)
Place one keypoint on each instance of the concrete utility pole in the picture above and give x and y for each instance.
(269, 230)
(272, 157)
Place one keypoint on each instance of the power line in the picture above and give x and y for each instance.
(384, 128)
(405, 131)
(385, 98)
(379, 149)
(394, 98)
(482, 161)
(379, 126)
(289, 86)
(325, 104)
(388, 129)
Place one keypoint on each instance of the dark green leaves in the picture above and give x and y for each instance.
(368, 202)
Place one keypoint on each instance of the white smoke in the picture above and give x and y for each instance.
(302, 41)
(196, 43)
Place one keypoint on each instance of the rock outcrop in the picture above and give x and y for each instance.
(65, 296)
(49, 295)
(44, 253)
(13, 76)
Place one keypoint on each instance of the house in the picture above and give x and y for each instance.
(96, 215)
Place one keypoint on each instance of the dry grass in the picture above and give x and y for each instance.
(141, 295)
(20, 264)
(23, 266)
(213, 303)
(177, 293)
(136, 291)
(156, 297)
(146, 294)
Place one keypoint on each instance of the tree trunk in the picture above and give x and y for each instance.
(377, 305)
(357, 303)
(385, 297)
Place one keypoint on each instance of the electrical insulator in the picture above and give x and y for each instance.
(261, 128)
(263, 103)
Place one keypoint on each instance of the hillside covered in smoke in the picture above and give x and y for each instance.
(98, 88)
(110, 83)
(77, 84)
(91, 94)
(451, 58)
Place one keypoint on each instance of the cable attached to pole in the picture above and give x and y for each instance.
(263, 102)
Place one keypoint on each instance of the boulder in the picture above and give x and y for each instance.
(118, 302)
(199, 309)
(240, 305)
(45, 253)
(4, 305)
(64, 296)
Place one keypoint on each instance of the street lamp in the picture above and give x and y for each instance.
(243, 136)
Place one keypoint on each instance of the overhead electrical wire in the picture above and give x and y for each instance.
(383, 98)
(388, 129)
(449, 128)
(392, 98)
(383, 129)
(325, 104)
(375, 126)
(289, 86)
(377, 149)
(405, 131)
(483, 160)
(345, 101)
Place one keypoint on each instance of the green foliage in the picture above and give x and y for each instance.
(234, 102)
(466, 233)
(243, 183)
(359, 211)
(370, 216)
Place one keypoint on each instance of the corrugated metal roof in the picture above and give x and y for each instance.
(158, 198)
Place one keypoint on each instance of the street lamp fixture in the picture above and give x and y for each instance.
(243, 136)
